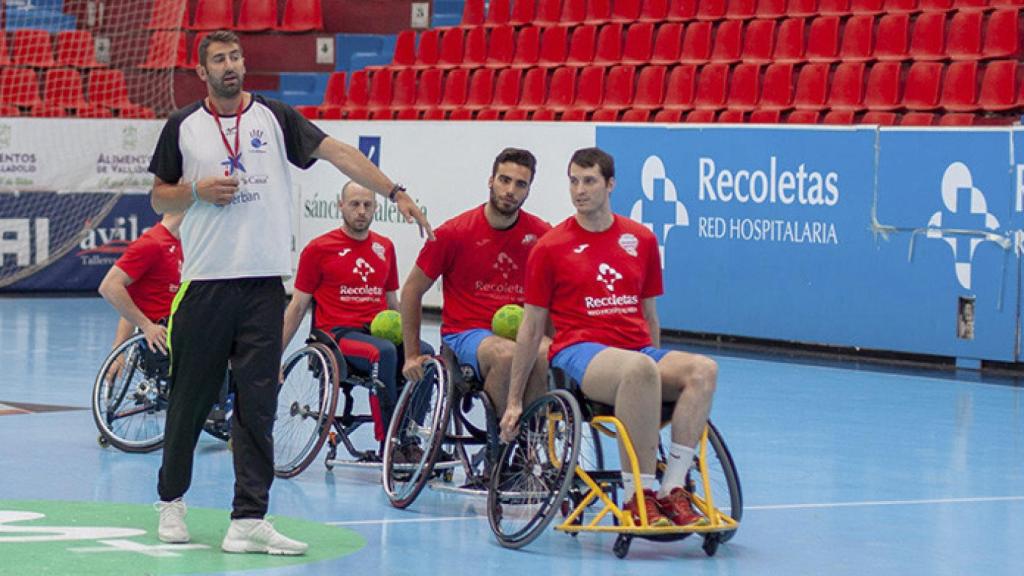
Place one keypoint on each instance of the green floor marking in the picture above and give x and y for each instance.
(44, 537)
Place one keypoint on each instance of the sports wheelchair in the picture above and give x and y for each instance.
(440, 416)
(131, 394)
(313, 378)
(549, 470)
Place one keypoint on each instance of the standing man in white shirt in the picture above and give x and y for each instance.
(224, 162)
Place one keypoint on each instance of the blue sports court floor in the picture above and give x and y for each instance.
(846, 470)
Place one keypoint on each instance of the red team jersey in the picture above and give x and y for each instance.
(153, 262)
(483, 268)
(349, 279)
(594, 283)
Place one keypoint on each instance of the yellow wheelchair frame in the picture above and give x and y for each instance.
(539, 475)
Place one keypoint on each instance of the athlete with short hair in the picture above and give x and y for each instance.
(597, 275)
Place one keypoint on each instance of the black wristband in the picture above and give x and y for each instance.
(395, 190)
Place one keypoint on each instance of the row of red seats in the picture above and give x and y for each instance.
(169, 49)
(106, 93)
(576, 12)
(35, 48)
(730, 116)
(253, 16)
(967, 36)
(849, 87)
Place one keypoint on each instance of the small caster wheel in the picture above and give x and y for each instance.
(711, 542)
(621, 547)
(102, 441)
(329, 463)
(448, 475)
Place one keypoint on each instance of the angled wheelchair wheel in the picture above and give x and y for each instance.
(218, 423)
(129, 397)
(416, 433)
(725, 486)
(305, 408)
(534, 473)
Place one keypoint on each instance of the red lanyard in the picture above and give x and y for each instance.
(235, 155)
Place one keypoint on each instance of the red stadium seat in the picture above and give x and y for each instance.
(957, 120)
(627, 10)
(257, 15)
(302, 16)
(681, 89)
(923, 86)
(823, 39)
(711, 9)
(516, 115)
(213, 15)
(701, 116)
(193, 59)
(858, 45)
(636, 115)
(604, 115)
(472, 13)
(76, 48)
(500, 47)
(777, 93)
(498, 13)
(535, 89)
(609, 45)
(728, 41)
(999, 86)
(506, 89)
(527, 51)
(759, 42)
(358, 95)
(833, 7)
(668, 116)
(1002, 35)
(959, 90)
(917, 119)
(900, 6)
(681, 10)
(549, 13)
(167, 49)
(108, 88)
(654, 11)
(667, 43)
(867, 7)
(811, 87)
(403, 90)
(696, 43)
(933, 6)
(741, 9)
(972, 5)
(433, 114)
(964, 40)
(893, 37)
(744, 87)
(334, 94)
(803, 117)
(770, 9)
(488, 114)
(5, 55)
(789, 47)
(460, 114)
(1006, 3)
(47, 110)
(33, 48)
(731, 117)
(802, 8)
(847, 90)
(62, 87)
(712, 87)
(7, 110)
(883, 90)
(618, 88)
(880, 118)
(598, 12)
(650, 88)
(562, 90)
(638, 45)
(456, 90)
(523, 12)
(553, 45)
(428, 90)
(405, 49)
(574, 12)
(582, 45)
(475, 53)
(927, 41)
(765, 117)
(590, 90)
(428, 50)
(168, 15)
(839, 117)
(481, 89)
(450, 54)
(380, 90)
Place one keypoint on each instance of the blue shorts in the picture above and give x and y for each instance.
(465, 344)
(575, 359)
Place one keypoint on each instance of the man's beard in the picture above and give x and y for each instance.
(495, 203)
(223, 91)
(351, 225)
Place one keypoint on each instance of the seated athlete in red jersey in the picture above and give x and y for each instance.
(352, 275)
(481, 256)
(143, 282)
(597, 275)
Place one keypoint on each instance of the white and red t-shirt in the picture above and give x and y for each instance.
(482, 268)
(349, 279)
(153, 262)
(594, 283)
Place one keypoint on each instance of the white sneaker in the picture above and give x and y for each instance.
(258, 535)
(172, 528)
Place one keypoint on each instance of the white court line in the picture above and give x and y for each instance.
(818, 506)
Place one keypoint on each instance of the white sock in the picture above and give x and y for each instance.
(628, 486)
(680, 459)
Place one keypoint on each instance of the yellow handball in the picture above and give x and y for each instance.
(506, 321)
(387, 324)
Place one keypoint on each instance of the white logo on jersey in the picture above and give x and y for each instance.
(628, 242)
(480, 243)
(363, 269)
(344, 252)
(505, 265)
(378, 249)
(579, 249)
(529, 239)
(608, 276)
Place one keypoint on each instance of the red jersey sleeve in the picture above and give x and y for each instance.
(391, 284)
(539, 278)
(652, 274)
(307, 278)
(436, 255)
(140, 256)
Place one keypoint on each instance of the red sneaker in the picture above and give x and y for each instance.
(654, 514)
(678, 508)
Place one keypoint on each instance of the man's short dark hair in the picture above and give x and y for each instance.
(516, 156)
(587, 157)
(222, 36)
